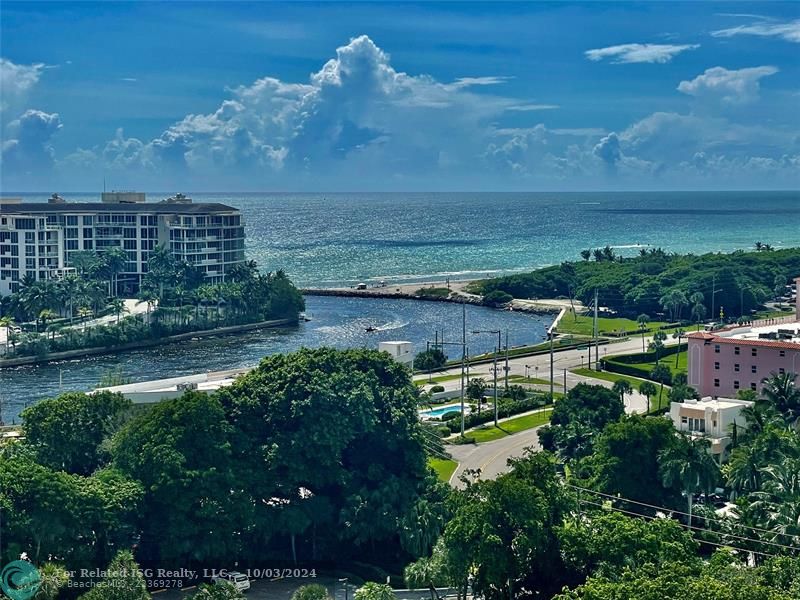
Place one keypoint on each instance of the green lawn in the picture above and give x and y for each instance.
(681, 367)
(444, 467)
(442, 378)
(436, 292)
(583, 325)
(533, 380)
(487, 433)
(606, 376)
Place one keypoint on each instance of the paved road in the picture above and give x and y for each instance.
(491, 457)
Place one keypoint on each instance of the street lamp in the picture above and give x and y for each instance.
(498, 332)
(344, 581)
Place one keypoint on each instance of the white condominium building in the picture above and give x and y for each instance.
(39, 239)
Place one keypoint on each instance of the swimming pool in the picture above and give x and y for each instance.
(438, 412)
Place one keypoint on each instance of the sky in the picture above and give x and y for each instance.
(228, 96)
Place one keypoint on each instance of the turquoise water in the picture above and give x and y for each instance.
(438, 412)
(334, 239)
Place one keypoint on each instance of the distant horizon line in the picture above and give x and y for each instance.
(6, 194)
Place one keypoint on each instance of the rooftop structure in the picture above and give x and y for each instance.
(39, 239)
(402, 352)
(722, 362)
(713, 418)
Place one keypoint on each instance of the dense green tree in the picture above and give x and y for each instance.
(58, 516)
(361, 466)
(578, 418)
(721, 578)
(625, 460)
(502, 531)
(605, 544)
(68, 432)
(430, 360)
(180, 450)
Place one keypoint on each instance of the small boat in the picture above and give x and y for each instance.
(370, 329)
(304, 317)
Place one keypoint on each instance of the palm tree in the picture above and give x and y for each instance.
(114, 260)
(657, 344)
(661, 374)
(72, 286)
(46, 315)
(648, 390)
(622, 387)
(688, 464)
(777, 503)
(744, 468)
(673, 302)
(678, 334)
(780, 390)
(759, 246)
(643, 320)
(118, 306)
(586, 254)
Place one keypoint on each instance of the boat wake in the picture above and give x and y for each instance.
(392, 325)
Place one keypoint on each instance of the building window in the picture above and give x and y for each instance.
(87, 220)
(736, 349)
(736, 385)
(753, 369)
(716, 348)
(716, 383)
(754, 351)
(782, 353)
(716, 366)
(782, 371)
(736, 367)
(753, 386)
(684, 420)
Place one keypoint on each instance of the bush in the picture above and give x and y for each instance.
(436, 389)
(313, 591)
(505, 408)
(497, 298)
(430, 360)
(449, 416)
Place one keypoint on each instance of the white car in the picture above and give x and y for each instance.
(238, 580)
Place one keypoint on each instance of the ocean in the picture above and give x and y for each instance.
(343, 239)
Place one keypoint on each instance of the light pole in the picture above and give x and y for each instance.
(527, 371)
(499, 333)
(343, 580)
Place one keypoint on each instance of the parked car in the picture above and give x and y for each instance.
(238, 580)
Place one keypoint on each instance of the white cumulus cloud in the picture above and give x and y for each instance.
(639, 53)
(28, 145)
(731, 86)
(16, 81)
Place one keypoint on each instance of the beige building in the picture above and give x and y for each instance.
(712, 418)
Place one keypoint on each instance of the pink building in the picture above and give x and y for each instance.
(725, 361)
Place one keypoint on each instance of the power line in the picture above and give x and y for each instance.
(678, 512)
(641, 516)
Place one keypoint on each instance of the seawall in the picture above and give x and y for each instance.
(80, 353)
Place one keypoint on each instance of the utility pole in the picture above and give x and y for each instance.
(713, 293)
(550, 334)
(595, 331)
(506, 359)
(495, 379)
(565, 381)
(463, 358)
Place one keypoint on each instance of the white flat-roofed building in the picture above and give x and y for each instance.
(713, 418)
(402, 352)
(39, 239)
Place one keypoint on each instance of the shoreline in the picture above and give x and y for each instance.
(457, 295)
(181, 337)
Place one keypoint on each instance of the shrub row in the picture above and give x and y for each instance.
(505, 408)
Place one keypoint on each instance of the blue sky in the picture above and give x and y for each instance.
(399, 96)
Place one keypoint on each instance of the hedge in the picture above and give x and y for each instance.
(505, 408)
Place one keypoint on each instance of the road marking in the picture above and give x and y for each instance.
(494, 457)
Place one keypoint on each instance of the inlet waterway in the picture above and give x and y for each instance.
(336, 322)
